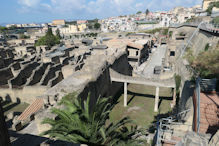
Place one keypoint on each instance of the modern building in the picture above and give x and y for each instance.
(82, 22)
(206, 3)
(58, 22)
(82, 27)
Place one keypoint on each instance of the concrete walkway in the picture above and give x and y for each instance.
(156, 60)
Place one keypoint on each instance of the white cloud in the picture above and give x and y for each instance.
(100, 8)
(29, 3)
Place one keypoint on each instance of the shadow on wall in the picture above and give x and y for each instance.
(103, 86)
(7, 101)
(186, 94)
(33, 140)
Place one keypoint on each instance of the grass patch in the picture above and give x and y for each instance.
(141, 104)
(14, 107)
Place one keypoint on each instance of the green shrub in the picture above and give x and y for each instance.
(207, 47)
(178, 83)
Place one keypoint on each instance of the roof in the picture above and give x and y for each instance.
(102, 47)
(87, 41)
(63, 48)
(54, 54)
(142, 42)
(135, 45)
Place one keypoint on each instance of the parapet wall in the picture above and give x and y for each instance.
(27, 94)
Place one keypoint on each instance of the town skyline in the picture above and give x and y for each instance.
(38, 11)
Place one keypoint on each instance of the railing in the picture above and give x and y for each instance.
(164, 126)
(204, 25)
(197, 90)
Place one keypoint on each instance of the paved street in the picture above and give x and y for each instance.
(147, 68)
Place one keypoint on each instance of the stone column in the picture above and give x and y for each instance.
(125, 94)
(156, 100)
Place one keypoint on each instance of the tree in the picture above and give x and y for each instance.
(147, 12)
(49, 39)
(79, 123)
(58, 34)
(3, 29)
(211, 6)
(206, 64)
(97, 25)
(139, 12)
(22, 36)
(215, 21)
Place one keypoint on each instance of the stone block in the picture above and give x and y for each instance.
(17, 126)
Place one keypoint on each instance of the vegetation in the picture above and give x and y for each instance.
(215, 20)
(58, 34)
(49, 39)
(23, 36)
(153, 31)
(178, 83)
(79, 123)
(211, 6)
(97, 25)
(147, 12)
(141, 104)
(3, 29)
(206, 64)
(207, 47)
(165, 31)
(170, 34)
(189, 55)
(139, 12)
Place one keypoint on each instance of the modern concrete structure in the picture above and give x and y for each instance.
(117, 77)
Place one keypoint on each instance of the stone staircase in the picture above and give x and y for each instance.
(31, 109)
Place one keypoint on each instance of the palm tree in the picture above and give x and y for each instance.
(77, 123)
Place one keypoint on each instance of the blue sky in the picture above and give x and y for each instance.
(28, 11)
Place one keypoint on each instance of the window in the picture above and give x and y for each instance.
(136, 53)
(172, 53)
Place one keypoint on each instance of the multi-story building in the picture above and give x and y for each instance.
(82, 22)
(82, 27)
(206, 3)
(125, 23)
(58, 22)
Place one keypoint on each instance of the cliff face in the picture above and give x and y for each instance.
(4, 137)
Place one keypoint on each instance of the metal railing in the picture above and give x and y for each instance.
(197, 90)
(164, 126)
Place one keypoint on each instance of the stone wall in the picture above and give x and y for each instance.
(103, 86)
(182, 67)
(93, 78)
(5, 75)
(27, 94)
(4, 137)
